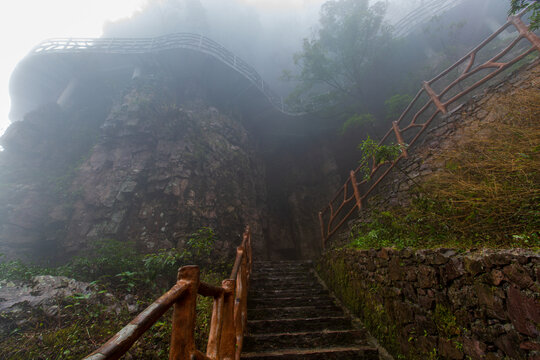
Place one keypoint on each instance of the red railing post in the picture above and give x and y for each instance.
(524, 31)
(356, 191)
(184, 314)
(434, 97)
(399, 139)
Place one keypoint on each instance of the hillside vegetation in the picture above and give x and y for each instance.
(486, 195)
(123, 282)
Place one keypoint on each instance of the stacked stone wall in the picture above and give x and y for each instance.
(432, 304)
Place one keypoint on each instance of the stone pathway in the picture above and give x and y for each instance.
(292, 316)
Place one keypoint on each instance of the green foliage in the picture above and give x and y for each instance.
(373, 152)
(384, 230)
(162, 265)
(446, 322)
(334, 64)
(16, 270)
(518, 5)
(116, 268)
(487, 193)
(118, 265)
(200, 244)
(357, 121)
(395, 105)
(432, 223)
(105, 259)
(362, 298)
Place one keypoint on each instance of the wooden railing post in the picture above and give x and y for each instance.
(240, 304)
(434, 97)
(354, 184)
(323, 239)
(227, 345)
(229, 314)
(250, 250)
(184, 314)
(247, 246)
(216, 328)
(524, 31)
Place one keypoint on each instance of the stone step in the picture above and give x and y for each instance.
(335, 353)
(294, 312)
(259, 303)
(254, 293)
(298, 325)
(283, 263)
(281, 267)
(281, 285)
(280, 272)
(304, 340)
(280, 282)
(292, 316)
(282, 276)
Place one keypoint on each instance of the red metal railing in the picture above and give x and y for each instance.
(229, 314)
(434, 98)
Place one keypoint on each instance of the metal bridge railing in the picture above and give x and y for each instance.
(422, 14)
(228, 322)
(437, 96)
(188, 41)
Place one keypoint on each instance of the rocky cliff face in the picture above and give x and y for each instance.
(158, 172)
(161, 171)
(153, 167)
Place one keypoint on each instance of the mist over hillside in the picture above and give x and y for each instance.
(390, 147)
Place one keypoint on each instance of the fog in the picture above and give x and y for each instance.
(24, 23)
(265, 33)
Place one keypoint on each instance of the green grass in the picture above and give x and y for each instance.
(84, 323)
(487, 194)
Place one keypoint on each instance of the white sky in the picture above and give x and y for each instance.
(24, 23)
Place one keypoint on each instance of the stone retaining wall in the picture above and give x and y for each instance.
(433, 304)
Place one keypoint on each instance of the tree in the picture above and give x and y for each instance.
(518, 5)
(334, 65)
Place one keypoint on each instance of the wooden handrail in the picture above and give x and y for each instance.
(228, 322)
(342, 206)
(210, 290)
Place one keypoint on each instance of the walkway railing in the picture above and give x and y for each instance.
(195, 42)
(229, 314)
(421, 14)
(438, 96)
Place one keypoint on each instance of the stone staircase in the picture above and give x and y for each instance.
(292, 316)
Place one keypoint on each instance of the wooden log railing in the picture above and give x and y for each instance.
(441, 95)
(228, 322)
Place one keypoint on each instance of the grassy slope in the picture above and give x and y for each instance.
(486, 195)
